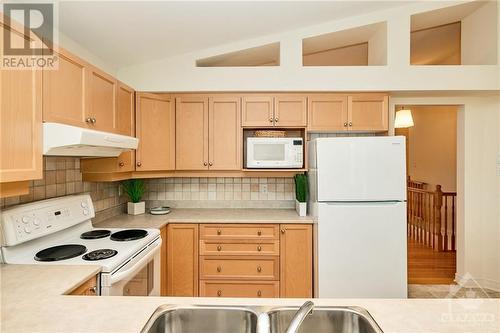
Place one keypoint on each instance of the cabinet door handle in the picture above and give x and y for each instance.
(93, 290)
(139, 164)
(121, 164)
(259, 233)
(259, 248)
(219, 293)
(219, 232)
(259, 293)
(94, 120)
(88, 120)
(350, 124)
(345, 124)
(259, 269)
(282, 231)
(210, 164)
(270, 120)
(219, 248)
(219, 269)
(276, 119)
(205, 163)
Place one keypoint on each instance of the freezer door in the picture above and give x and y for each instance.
(361, 250)
(361, 169)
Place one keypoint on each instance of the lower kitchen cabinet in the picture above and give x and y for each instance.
(163, 262)
(88, 288)
(182, 260)
(215, 288)
(296, 263)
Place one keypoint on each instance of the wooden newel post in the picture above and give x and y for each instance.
(438, 235)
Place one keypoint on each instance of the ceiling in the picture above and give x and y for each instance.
(125, 33)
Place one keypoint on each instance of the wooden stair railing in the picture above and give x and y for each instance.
(431, 216)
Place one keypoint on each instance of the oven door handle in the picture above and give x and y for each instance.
(152, 250)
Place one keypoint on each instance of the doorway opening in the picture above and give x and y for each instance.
(431, 148)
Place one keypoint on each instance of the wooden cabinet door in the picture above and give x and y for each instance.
(368, 112)
(88, 288)
(65, 91)
(182, 260)
(155, 129)
(296, 260)
(224, 130)
(191, 115)
(163, 261)
(290, 111)
(101, 92)
(125, 124)
(257, 111)
(327, 113)
(20, 118)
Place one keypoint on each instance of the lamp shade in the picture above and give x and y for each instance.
(403, 119)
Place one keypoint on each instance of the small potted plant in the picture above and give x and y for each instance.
(301, 192)
(134, 188)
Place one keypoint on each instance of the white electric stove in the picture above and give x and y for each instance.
(59, 232)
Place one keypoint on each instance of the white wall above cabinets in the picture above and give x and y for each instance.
(394, 73)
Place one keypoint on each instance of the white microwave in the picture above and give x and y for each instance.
(275, 152)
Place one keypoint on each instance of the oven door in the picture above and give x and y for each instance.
(138, 277)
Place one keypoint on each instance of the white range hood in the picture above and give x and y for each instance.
(66, 140)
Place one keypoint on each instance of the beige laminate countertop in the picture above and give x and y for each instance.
(32, 301)
(205, 215)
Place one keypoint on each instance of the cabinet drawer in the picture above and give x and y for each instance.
(239, 267)
(214, 288)
(88, 288)
(239, 231)
(228, 247)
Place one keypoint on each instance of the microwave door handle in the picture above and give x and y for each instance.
(120, 275)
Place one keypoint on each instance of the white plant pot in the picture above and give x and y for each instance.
(136, 208)
(301, 208)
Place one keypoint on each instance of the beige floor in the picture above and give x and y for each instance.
(448, 291)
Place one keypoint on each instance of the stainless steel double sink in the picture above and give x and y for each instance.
(255, 319)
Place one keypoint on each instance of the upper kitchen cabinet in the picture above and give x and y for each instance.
(368, 112)
(191, 117)
(278, 111)
(356, 112)
(20, 121)
(327, 113)
(290, 111)
(64, 91)
(125, 125)
(257, 111)
(224, 131)
(155, 129)
(102, 92)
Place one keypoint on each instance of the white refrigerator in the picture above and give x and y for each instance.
(358, 199)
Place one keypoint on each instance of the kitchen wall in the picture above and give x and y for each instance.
(221, 192)
(62, 176)
(432, 145)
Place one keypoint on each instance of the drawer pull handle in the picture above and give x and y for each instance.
(219, 232)
(121, 164)
(259, 233)
(219, 269)
(219, 293)
(282, 231)
(259, 293)
(259, 269)
(219, 248)
(259, 248)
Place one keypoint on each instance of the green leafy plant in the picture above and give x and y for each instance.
(134, 188)
(301, 189)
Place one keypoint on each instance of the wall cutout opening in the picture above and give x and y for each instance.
(360, 46)
(465, 34)
(260, 56)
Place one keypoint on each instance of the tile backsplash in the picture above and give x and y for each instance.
(224, 192)
(62, 176)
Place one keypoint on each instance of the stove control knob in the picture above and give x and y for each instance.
(85, 212)
(84, 204)
(25, 219)
(36, 222)
(27, 230)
